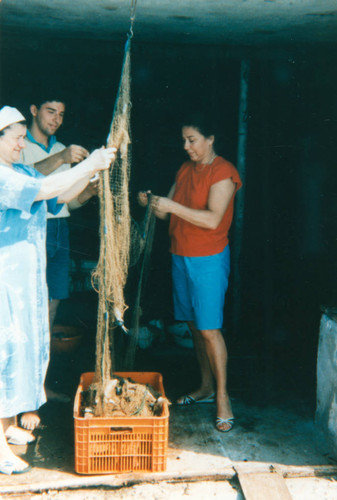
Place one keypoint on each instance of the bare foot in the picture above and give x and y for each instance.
(30, 420)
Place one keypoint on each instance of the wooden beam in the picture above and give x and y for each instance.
(240, 197)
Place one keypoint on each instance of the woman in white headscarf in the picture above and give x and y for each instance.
(25, 197)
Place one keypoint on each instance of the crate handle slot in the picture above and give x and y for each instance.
(121, 428)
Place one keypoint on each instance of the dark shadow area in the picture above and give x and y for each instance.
(279, 429)
(178, 365)
(287, 263)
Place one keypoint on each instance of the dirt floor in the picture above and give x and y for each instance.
(201, 462)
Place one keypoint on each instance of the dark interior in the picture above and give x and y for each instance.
(288, 257)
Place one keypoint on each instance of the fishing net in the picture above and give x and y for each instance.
(121, 242)
(141, 244)
(123, 397)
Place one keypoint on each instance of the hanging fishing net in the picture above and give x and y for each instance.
(123, 243)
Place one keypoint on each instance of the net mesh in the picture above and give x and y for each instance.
(110, 275)
(121, 243)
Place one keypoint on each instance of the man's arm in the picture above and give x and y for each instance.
(71, 154)
(90, 191)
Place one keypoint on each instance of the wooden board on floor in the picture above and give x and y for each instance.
(263, 486)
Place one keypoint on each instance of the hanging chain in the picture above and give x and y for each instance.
(132, 17)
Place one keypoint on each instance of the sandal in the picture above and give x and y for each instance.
(8, 467)
(18, 436)
(220, 421)
(190, 400)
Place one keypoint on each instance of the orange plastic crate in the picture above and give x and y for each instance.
(121, 444)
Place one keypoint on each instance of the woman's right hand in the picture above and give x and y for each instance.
(142, 198)
(101, 159)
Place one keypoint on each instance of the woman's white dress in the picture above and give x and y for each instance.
(24, 326)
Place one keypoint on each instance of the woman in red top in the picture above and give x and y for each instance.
(200, 205)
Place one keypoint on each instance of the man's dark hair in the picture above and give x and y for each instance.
(48, 95)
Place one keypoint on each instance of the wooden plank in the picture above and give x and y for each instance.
(263, 486)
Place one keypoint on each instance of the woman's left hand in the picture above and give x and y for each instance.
(161, 204)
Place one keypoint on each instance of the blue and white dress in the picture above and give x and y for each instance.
(24, 325)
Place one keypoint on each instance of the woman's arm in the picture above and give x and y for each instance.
(156, 210)
(219, 198)
(77, 195)
(69, 184)
(74, 192)
(143, 201)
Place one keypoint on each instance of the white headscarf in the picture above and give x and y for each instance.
(9, 115)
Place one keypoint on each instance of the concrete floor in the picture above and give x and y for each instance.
(278, 432)
(282, 435)
(197, 455)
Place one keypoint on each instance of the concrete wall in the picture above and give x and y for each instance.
(326, 410)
